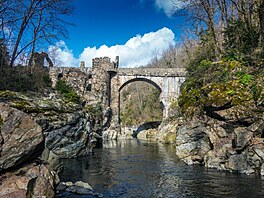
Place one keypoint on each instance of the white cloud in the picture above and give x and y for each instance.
(61, 55)
(170, 6)
(137, 51)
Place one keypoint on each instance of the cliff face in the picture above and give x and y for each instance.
(21, 142)
(36, 129)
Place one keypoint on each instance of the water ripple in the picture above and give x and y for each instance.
(141, 169)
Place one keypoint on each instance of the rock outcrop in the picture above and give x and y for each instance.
(21, 142)
(42, 129)
(21, 137)
(192, 143)
(149, 134)
(65, 125)
(223, 145)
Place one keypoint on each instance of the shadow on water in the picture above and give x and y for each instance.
(133, 168)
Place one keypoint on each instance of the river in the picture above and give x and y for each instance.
(135, 169)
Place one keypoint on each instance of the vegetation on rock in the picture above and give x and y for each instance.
(222, 83)
(227, 65)
(67, 91)
(95, 112)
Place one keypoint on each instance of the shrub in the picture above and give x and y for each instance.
(223, 82)
(244, 78)
(67, 91)
(22, 79)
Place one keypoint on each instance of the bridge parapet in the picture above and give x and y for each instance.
(145, 71)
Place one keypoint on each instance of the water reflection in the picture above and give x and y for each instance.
(145, 169)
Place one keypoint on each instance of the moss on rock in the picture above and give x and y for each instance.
(225, 84)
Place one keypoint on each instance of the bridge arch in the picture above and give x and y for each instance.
(141, 79)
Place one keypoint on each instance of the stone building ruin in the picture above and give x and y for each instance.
(103, 82)
(37, 59)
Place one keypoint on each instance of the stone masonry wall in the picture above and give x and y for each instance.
(102, 83)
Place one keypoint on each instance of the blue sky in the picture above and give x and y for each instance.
(119, 27)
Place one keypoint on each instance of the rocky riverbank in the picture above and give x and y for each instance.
(232, 141)
(36, 131)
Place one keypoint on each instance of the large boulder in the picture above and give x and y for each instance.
(149, 134)
(30, 181)
(221, 145)
(66, 125)
(21, 138)
(70, 138)
(192, 143)
(167, 131)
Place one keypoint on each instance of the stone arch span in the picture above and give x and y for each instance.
(140, 79)
(167, 81)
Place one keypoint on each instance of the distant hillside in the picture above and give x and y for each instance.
(140, 104)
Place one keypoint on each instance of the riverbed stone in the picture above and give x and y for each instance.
(30, 181)
(149, 134)
(238, 163)
(83, 185)
(79, 190)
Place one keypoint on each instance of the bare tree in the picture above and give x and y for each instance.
(33, 22)
(211, 19)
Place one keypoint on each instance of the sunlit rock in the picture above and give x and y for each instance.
(22, 137)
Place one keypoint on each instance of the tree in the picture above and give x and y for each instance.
(261, 23)
(33, 21)
(225, 24)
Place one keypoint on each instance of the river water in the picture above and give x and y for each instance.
(135, 169)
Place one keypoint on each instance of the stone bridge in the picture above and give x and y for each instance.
(104, 82)
(166, 80)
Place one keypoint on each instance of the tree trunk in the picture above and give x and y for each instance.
(261, 21)
(23, 26)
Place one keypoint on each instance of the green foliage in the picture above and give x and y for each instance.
(202, 56)
(47, 80)
(224, 82)
(241, 37)
(226, 69)
(63, 87)
(67, 91)
(257, 90)
(244, 78)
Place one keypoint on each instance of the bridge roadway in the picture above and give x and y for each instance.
(148, 71)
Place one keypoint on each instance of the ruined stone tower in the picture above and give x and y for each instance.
(101, 78)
